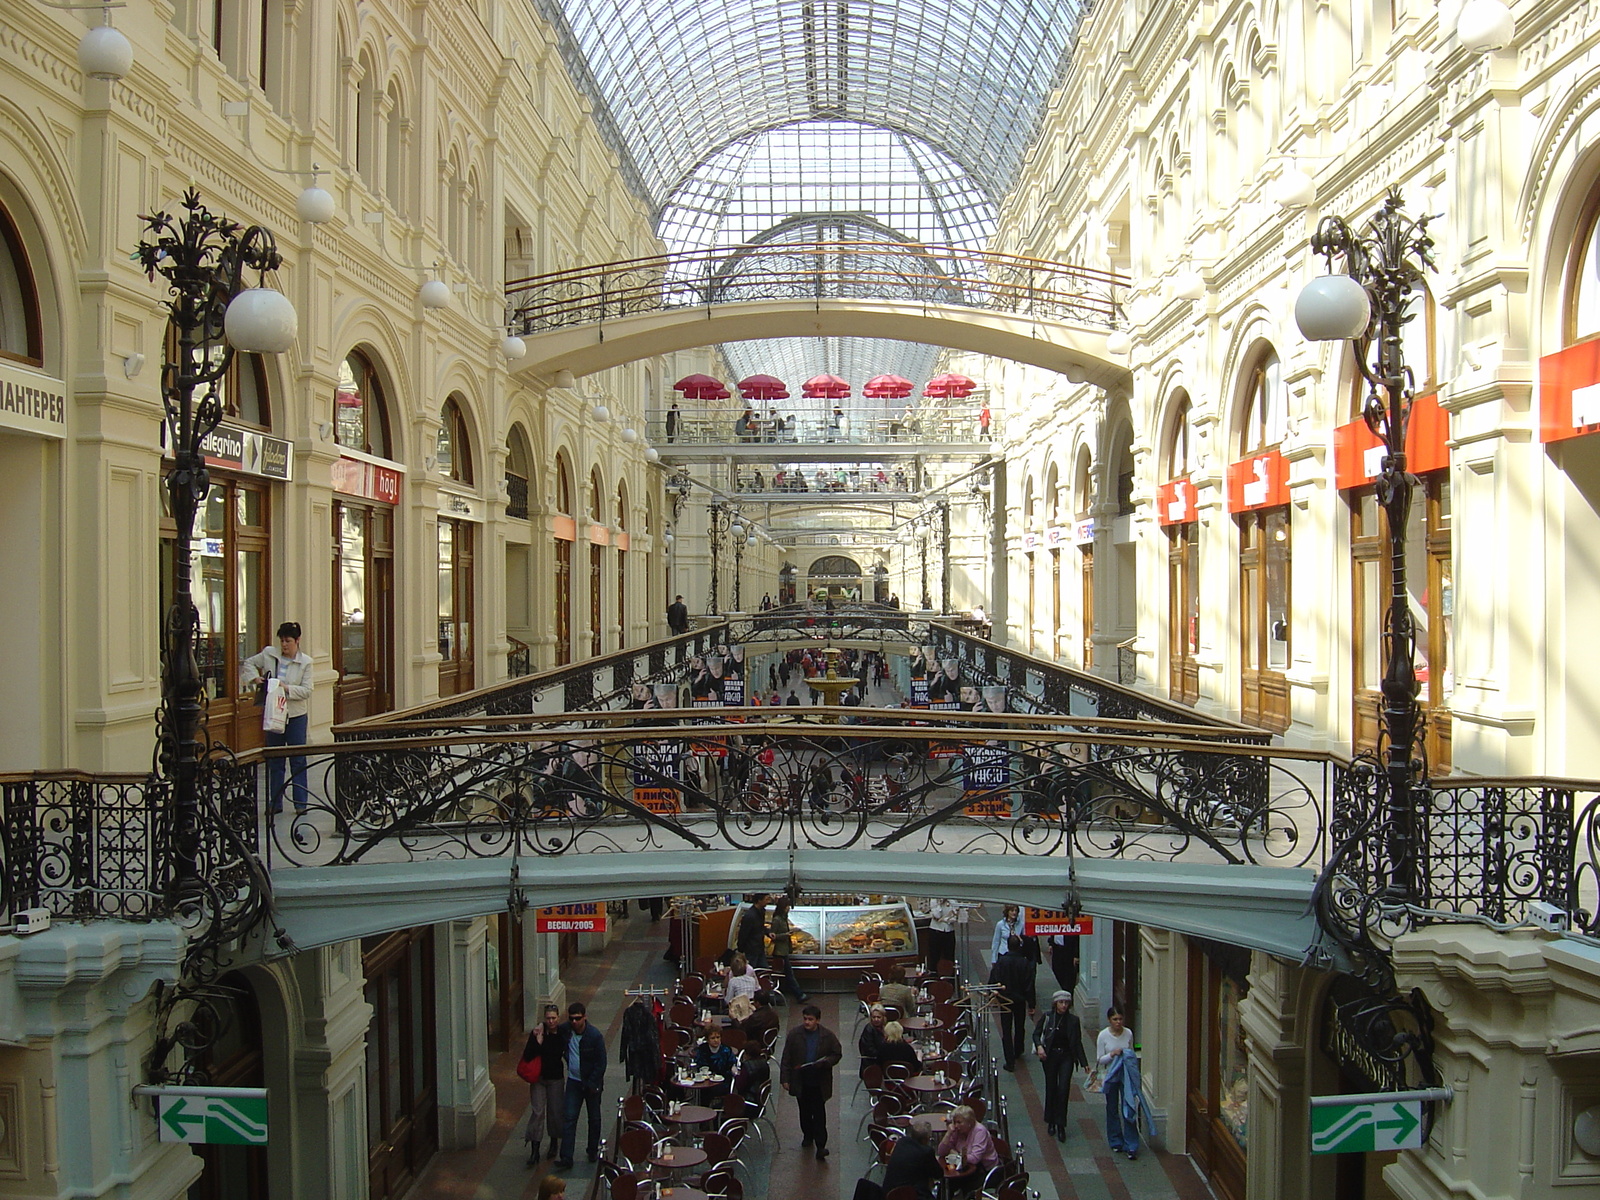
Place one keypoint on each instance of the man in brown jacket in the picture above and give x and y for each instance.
(810, 1053)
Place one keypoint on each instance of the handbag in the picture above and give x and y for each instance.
(531, 1069)
(275, 714)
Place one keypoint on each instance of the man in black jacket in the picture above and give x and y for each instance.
(1014, 971)
(810, 1053)
(678, 616)
(584, 1055)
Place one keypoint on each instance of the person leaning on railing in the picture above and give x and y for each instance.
(292, 668)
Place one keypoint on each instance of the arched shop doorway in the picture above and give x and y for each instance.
(834, 577)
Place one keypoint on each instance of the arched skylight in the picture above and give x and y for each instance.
(680, 79)
(891, 178)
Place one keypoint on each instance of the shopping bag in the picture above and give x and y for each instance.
(531, 1069)
(275, 715)
(1091, 1081)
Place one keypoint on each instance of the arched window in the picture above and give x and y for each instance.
(367, 120)
(394, 124)
(596, 512)
(1583, 285)
(1183, 561)
(361, 420)
(1264, 559)
(21, 337)
(1265, 418)
(563, 488)
(519, 473)
(454, 449)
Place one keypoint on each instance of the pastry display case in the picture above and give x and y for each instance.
(845, 932)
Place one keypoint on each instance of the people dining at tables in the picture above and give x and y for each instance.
(913, 1163)
(967, 1151)
(740, 980)
(895, 992)
(896, 1049)
(871, 1041)
(711, 1055)
(764, 1018)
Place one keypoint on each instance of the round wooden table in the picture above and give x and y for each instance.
(691, 1115)
(680, 1158)
(920, 1024)
(668, 1192)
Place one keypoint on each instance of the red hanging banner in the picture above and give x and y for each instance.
(1260, 481)
(1177, 502)
(1358, 452)
(1046, 921)
(1569, 392)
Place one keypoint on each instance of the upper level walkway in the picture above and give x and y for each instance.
(574, 785)
(1053, 315)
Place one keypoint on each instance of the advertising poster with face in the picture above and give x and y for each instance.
(920, 659)
(729, 670)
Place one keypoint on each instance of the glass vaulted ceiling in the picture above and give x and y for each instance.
(736, 117)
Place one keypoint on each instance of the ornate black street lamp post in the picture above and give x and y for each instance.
(203, 258)
(717, 521)
(1370, 305)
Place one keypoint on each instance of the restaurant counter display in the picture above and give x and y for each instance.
(850, 935)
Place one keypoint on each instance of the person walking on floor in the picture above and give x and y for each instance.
(810, 1053)
(753, 933)
(678, 616)
(291, 667)
(1008, 926)
(584, 1049)
(1120, 1082)
(1064, 960)
(547, 1099)
(942, 915)
(783, 942)
(1013, 971)
(1058, 1041)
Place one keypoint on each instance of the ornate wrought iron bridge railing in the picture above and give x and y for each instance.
(887, 270)
(1083, 769)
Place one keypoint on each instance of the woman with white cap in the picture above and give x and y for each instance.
(1058, 1041)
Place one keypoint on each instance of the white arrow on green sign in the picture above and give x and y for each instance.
(1372, 1125)
(220, 1118)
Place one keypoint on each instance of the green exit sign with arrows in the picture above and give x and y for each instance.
(1344, 1128)
(211, 1116)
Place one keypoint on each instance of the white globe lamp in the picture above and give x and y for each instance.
(513, 347)
(1333, 308)
(104, 53)
(435, 294)
(630, 436)
(651, 454)
(260, 321)
(1188, 285)
(1294, 189)
(1119, 343)
(315, 205)
(600, 413)
(1484, 25)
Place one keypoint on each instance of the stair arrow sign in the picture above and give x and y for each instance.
(174, 1116)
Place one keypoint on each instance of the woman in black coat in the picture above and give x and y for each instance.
(1058, 1041)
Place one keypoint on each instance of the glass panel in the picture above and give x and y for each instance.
(1370, 583)
(443, 450)
(1191, 578)
(393, 1043)
(353, 589)
(1233, 1064)
(1365, 511)
(16, 295)
(350, 409)
(1586, 287)
(1444, 620)
(1250, 605)
(375, 1125)
(1417, 581)
(1276, 550)
(447, 588)
(1275, 414)
(209, 565)
(249, 508)
(419, 979)
(251, 619)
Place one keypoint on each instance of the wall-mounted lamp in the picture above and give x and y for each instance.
(651, 454)
(600, 414)
(434, 293)
(1188, 285)
(103, 52)
(325, 431)
(630, 436)
(132, 364)
(1119, 343)
(513, 347)
(1485, 25)
(565, 379)
(1294, 188)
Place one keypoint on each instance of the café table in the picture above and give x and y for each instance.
(671, 1192)
(689, 1116)
(925, 1088)
(679, 1158)
(921, 1024)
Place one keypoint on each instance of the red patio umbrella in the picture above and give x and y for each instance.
(701, 387)
(825, 387)
(763, 387)
(887, 387)
(955, 387)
